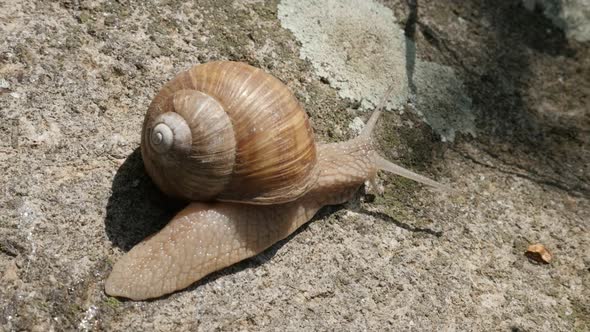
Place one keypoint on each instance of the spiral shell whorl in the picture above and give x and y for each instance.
(251, 140)
(191, 147)
(161, 138)
(171, 132)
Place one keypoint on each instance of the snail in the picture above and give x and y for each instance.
(235, 142)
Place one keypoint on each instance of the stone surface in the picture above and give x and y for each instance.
(573, 16)
(356, 46)
(441, 98)
(361, 60)
(76, 77)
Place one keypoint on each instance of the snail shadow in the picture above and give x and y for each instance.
(136, 208)
(408, 227)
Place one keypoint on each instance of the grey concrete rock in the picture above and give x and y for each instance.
(76, 77)
(573, 16)
(359, 59)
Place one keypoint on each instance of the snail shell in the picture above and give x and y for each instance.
(229, 131)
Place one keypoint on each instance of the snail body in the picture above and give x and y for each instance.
(209, 235)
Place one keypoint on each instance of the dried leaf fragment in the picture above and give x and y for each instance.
(537, 252)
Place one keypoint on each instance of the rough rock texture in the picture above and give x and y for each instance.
(355, 46)
(361, 60)
(76, 77)
(573, 16)
(441, 98)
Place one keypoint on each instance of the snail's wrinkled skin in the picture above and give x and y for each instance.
(206, 237)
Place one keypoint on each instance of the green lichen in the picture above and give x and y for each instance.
(112, 303)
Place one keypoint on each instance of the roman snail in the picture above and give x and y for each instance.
(233, 140)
